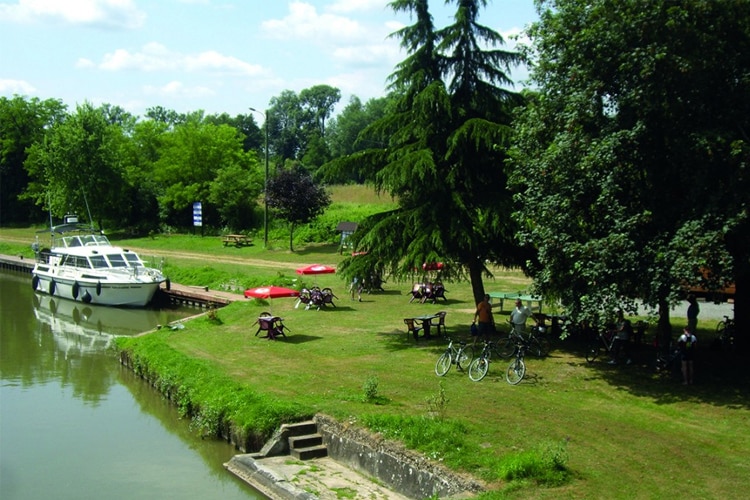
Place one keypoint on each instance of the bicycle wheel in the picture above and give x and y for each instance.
(465, 357)
(505, 348)
(545, 347)
(479, 368)
(592, 352)
(443, 364)
(515, 372)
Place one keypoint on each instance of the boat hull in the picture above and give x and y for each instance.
(102, 291)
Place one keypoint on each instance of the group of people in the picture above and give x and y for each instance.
(485, 322)
(485, 325)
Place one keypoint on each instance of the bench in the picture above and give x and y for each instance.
(238, 240)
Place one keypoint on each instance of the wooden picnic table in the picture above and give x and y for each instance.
(238, 240)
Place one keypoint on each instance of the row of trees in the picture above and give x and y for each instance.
(145, 173)
(620, 174)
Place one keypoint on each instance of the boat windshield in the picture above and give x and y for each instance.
(116, 260)
(133, 260)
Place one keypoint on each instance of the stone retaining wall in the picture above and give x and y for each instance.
(401, 470)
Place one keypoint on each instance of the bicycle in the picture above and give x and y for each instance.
(480, 366)
(517, 368)
(460, 356)
(535, 344)
(604, 342)
(725, 331)
(668, 363)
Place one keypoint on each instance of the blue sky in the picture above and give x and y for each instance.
(215, 55)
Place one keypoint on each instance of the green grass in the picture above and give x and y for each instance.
(618, 432)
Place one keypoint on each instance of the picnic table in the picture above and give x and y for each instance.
(503, 296)
(272, 325)
(426, 321)
(238, 240)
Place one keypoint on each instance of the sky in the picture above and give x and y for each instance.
(219, 56)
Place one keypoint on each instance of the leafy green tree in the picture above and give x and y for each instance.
(343, 138)
(77, 166)
(22, 123)
(295, 198)
(317, 104)
(446, 140)
(235, 193)
(191, 157)
(631, 157)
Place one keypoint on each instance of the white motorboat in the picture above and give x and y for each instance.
(82, 265)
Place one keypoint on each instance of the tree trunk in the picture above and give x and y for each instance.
(475, 275)
(664, 327)
(742, 313)
(291, 237)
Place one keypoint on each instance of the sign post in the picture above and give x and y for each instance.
(198, 215)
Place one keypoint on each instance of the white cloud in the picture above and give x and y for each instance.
(156, 57)
(178, 89)
(304, 22)
(98, 13)
(357, 5)
(21, 87)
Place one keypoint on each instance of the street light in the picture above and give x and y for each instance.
(265, 186)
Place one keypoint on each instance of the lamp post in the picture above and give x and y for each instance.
(265, 185)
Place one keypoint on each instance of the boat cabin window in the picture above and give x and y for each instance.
(88, 240)
(76, 261)
(98, 262)
(116, 260)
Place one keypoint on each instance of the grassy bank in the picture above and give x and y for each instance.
(621, 432)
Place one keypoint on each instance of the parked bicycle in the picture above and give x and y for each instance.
(461, 356)
(725, 332)
(534, 339)
(668, 362)
(481, 365)
(517, 368)
(604, 342)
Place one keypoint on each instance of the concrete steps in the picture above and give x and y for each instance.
(305, 442)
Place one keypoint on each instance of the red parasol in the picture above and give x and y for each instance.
(316, 269)
(270, 292)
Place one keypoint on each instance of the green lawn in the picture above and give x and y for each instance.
(626, 432)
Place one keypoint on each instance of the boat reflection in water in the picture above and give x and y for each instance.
(80, 328)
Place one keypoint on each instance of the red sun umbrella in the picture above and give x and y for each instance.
(270, 292)
(316, 269)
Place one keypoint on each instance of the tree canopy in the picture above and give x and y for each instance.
(295, 198)
(630, 158)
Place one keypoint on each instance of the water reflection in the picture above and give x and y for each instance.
(75, 424)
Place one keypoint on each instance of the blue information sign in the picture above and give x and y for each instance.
(197, 214)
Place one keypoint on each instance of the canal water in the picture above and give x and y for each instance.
(74, 424)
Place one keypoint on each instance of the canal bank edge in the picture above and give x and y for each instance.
(354, 455)
(358, 461)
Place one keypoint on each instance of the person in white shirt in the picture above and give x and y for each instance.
(519, 315)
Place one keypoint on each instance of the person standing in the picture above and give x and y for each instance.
(483, 318)
(623, 333)
(518, 317)
(686, 344)
(693, 311)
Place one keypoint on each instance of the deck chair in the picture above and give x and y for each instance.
(412, 328)
(439, 322)
(265, 323)
(328, 296)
